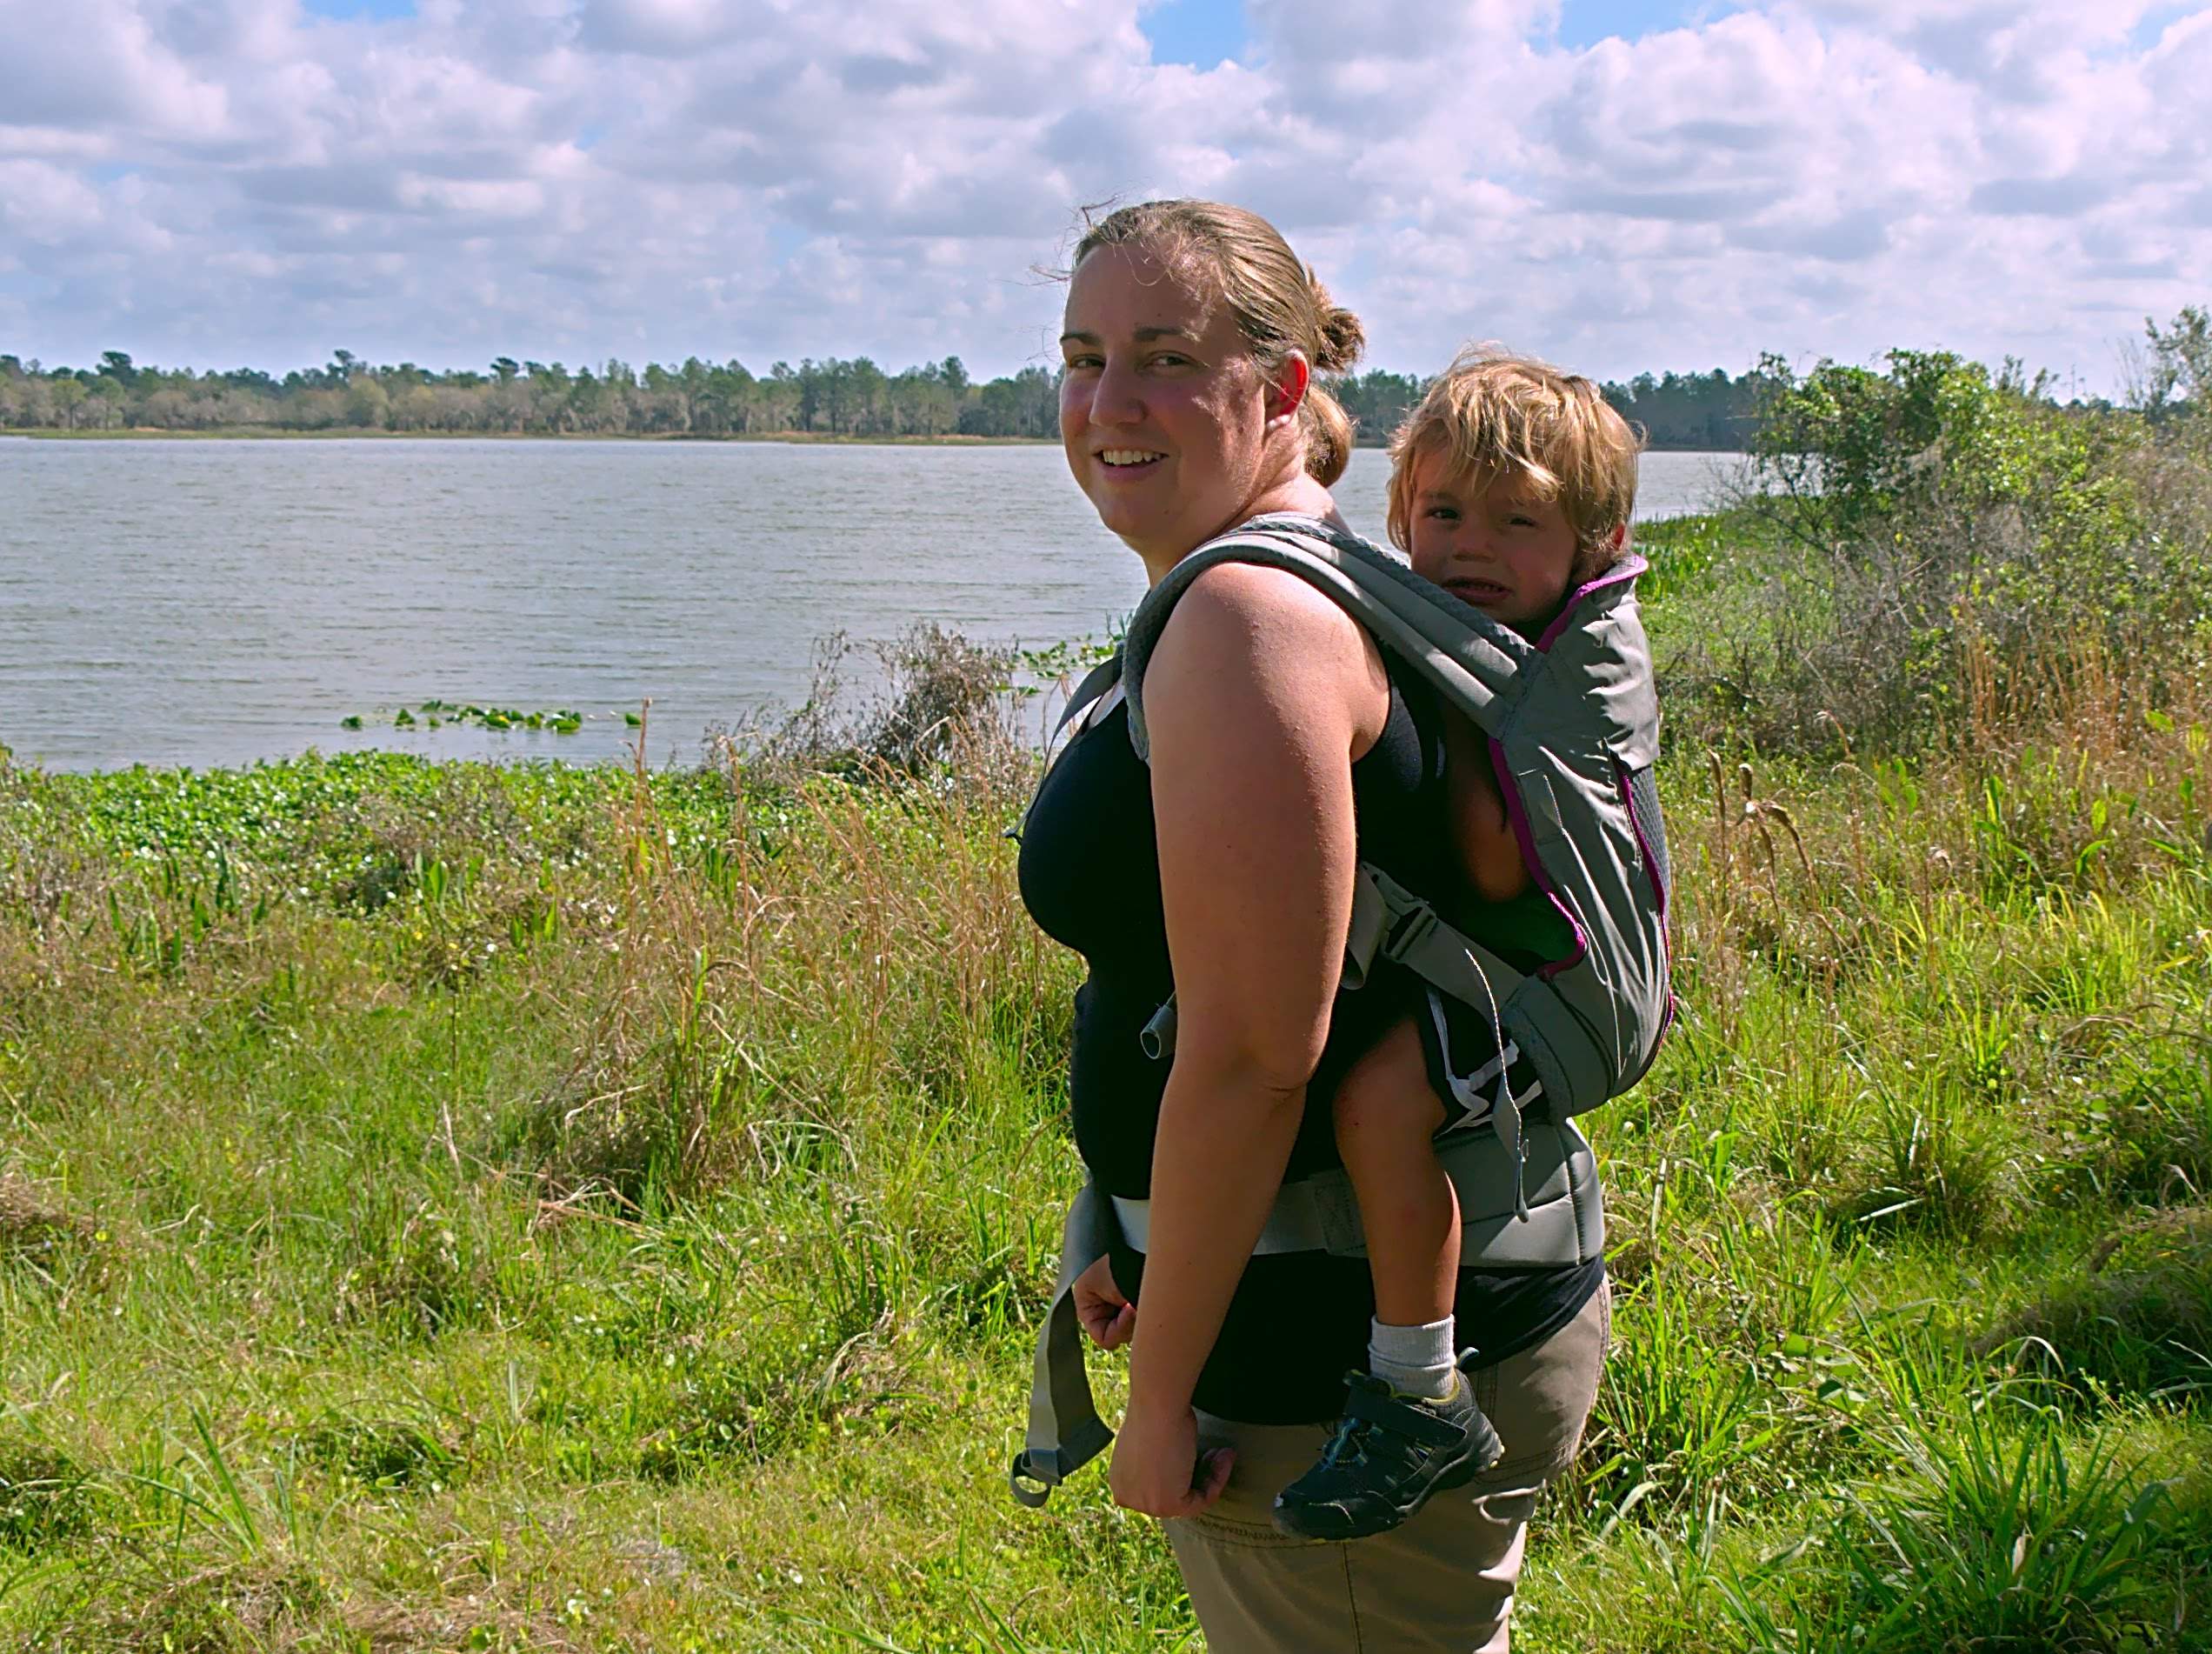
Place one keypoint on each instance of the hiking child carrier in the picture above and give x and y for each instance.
(1573, 722)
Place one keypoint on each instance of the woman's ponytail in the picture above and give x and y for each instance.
(1338, 341)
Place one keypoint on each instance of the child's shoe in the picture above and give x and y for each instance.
(1391, 1451)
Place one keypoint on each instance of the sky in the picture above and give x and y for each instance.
(1619, 187)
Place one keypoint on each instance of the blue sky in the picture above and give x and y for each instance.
(264, 181)
(1198, 32)
(381, 10)
(1202, 32)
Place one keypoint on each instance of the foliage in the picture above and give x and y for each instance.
(1935, 540)
(832, 397)
(2175, 378)
(1695, 410)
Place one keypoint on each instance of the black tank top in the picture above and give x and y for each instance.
(1091, 877)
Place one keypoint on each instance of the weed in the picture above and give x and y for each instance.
(45, 1498)
(386, 1452)
(48, 1240)
(1998, 1534)
(2135, 1319)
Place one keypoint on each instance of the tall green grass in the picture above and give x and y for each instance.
(444, 1206)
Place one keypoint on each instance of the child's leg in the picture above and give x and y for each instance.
(1386, 1112)
(1410, 1425)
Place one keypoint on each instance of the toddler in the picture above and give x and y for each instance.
(1511, 486)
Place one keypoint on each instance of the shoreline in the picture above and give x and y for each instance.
(787, 439)
(342, 433)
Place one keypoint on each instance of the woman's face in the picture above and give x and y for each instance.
(1163, 412)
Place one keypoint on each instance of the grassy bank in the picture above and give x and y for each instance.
(444, 1206)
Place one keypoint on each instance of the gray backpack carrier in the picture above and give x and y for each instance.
(1573, 723)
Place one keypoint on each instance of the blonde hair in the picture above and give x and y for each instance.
(1279, 305)
(1492, 414)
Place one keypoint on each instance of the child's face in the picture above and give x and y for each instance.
(1502, 548)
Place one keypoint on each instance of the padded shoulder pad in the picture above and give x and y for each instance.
(1474, 662)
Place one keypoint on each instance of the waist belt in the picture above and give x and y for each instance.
(1555, 1219)
(1315, 1214)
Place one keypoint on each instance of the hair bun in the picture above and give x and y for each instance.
(1342, 338)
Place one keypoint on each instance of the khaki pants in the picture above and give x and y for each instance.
(1443, 1580)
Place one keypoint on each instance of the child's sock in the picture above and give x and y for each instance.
(1415, 1360)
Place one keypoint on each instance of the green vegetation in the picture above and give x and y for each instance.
(435, 714)
(457, 1207)
(831, 398)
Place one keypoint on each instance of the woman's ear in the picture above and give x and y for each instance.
(1287, 386)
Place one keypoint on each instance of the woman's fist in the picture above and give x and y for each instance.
(1108, 1317)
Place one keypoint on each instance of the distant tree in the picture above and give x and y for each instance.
(1376, 401)
(2176, 371)
(1695, 410)
(68, 398)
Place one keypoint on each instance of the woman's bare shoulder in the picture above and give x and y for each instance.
(1242, 617)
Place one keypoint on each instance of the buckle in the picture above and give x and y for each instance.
(1407, 931)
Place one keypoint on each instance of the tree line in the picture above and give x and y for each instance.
(834, 397)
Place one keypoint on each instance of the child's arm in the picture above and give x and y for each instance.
(1490, 854)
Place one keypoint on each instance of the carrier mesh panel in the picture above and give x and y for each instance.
(1643, 804)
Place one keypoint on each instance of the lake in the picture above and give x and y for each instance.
(210, 602)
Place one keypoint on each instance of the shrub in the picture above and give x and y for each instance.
(943, 700)
(1936, 537)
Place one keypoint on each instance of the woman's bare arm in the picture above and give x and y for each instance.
(1259, 697)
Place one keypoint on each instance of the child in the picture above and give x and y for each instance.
(1511, 486)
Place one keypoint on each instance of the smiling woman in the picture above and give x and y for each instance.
(1217, 873)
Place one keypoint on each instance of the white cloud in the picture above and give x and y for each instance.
(225, 181)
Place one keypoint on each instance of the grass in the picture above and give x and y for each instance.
(454, 1207)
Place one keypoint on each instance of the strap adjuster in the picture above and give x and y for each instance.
(1407, 931)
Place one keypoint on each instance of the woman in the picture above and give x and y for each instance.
(1284, 749)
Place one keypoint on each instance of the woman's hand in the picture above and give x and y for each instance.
(1158, 1469)
(1108, 1317)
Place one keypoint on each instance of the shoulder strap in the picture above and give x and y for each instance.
(1092, 698)
(1473, 661)
(1099, 682)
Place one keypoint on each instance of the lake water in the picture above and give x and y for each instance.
(213, 602)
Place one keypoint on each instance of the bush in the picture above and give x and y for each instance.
(1940, 539)
(944, 699)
